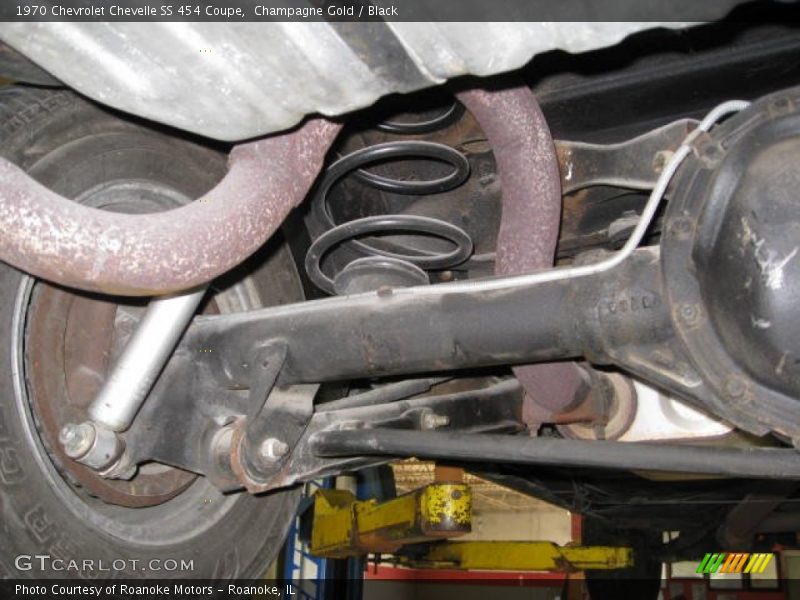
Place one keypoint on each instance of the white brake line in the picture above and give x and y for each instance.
(650, 208)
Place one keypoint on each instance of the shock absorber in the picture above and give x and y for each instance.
(382, 262)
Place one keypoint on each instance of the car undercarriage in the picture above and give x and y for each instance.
(562, 258)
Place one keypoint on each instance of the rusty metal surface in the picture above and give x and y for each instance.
(530, 179)
(62, 241)
(70, 344)
(634, 164)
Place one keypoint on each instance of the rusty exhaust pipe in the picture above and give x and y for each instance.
(59, 240)
(531, 184)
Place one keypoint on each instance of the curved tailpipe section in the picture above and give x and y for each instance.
(529, 174)
(54, 238)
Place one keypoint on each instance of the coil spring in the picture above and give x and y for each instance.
(351, 232)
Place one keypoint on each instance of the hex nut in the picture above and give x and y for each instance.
(77, 439)
(273, 449)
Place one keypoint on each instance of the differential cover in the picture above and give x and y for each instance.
(750, 264)
(731, 260)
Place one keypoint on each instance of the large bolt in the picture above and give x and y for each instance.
(431, 420)
(95, 447)
(690, 314)
(77, 439)
(735, 387)
(273, 449)
(681, 227)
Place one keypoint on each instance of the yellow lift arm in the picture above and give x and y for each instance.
(343, 526)
(519, 556)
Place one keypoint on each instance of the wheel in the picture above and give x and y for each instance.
(641, 581)
(56, 345)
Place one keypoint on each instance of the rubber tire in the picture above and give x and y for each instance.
(642, 581)
(76, 144)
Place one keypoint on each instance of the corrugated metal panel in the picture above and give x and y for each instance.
(233, 81)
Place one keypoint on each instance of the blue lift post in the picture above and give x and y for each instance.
(307, 573)
(327, 579)
(316, 578)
